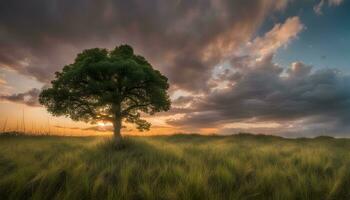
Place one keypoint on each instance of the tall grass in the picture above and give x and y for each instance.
(174, 167)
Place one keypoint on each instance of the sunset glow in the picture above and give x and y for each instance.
(274, 71)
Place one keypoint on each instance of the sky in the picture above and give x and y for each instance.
(260, 66)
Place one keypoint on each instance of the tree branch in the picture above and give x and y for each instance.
(124, 112)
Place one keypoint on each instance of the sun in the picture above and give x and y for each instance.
(101, 124)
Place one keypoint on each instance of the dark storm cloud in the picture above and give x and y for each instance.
(269, 93)
(30, 98)
(184, 39)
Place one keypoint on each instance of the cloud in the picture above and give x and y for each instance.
(29, 98)
(190, 37)
(279, 36)
(335, 2)
(187, 40)
(257, 50)
(182, 101)
(299, 69)
(267, 93)
(318, 7)
(301, 101)
(5, 88)
(2, 82)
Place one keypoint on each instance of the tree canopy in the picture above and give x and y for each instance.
(111, 86)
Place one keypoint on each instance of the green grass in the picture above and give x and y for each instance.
(174, 167)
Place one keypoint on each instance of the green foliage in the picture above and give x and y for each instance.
(104, 85)
(174, 167)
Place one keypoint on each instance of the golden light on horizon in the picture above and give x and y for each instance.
(101, 124)
(35, 120)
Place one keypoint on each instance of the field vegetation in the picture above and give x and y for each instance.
(174, 167)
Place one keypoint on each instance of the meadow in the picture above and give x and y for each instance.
(174, 167)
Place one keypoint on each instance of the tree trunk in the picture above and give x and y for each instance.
(117, 125)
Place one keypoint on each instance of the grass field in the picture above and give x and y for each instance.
(174, 167)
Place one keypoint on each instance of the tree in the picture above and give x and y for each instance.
(111, 86)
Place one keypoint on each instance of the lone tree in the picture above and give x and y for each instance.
(111, 86)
